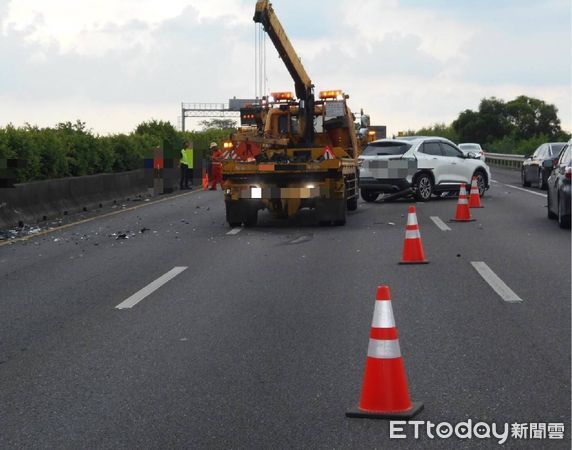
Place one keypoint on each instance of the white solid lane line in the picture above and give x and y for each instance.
(437, 221)
(520, 189)
(526, 190)
(150, 288)
(506, 293)
(235, 231)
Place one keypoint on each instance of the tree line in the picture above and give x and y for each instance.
(71, 149)
(518, 126)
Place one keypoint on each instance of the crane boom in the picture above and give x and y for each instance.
(264, 14)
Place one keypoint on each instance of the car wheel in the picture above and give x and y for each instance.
(551, 215)
(423, 187)
(563, 221)
(541, 181)
(369, 196)
(481, 182)
(525, 182)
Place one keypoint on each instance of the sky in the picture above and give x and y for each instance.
(407, 63)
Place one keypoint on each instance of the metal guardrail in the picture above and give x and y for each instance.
(503, 160)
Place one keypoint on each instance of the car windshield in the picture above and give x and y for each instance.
(555, 149)
(386, 148)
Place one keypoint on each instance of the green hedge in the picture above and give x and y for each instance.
(70, 149)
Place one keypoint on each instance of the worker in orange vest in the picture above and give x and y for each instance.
(216, 159)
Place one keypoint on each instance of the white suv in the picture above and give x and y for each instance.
(417, 165)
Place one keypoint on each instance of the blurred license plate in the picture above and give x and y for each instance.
(393, 168)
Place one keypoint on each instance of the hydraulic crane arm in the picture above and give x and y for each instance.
(265, 15)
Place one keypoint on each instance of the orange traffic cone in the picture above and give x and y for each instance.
(463, 213)
(412, 247)
(384, 393)
(205, 181)
(475, 198)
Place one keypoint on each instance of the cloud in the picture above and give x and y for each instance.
(121, 62)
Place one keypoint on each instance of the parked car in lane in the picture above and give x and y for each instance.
(533, 170)
(417, 165)
(558, 187)
(474, 149)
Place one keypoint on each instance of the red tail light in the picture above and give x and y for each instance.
(568, 173)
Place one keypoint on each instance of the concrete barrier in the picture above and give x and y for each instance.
(44, 200)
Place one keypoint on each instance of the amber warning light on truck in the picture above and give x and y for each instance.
(324, 95)
(277, 96)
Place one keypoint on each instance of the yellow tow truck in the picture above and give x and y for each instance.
(305, 149)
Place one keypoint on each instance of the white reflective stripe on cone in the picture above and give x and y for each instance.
(463, 201)
(412, 234)
(412, 219)
(383, 349)
(383, 315)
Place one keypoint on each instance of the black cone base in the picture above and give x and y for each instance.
(359, 414)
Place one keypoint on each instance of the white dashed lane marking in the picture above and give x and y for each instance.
(499, 286)
(234, 231)
(442, 225)
(150, 288)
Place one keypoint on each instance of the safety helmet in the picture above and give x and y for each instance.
(213, 145)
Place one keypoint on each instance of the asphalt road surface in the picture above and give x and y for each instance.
(257, 338)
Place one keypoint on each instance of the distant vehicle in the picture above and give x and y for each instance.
(533, 169)
(558, 187)
(474, 149)
(418, 165)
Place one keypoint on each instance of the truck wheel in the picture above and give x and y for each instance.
(251, 218)
(341, 217)
(331, 210)
(233, 214)
(352, 203)
(369, 196)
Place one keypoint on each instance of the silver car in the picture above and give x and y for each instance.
(473, 150)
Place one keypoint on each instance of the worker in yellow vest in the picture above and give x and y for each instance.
(187, 167)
